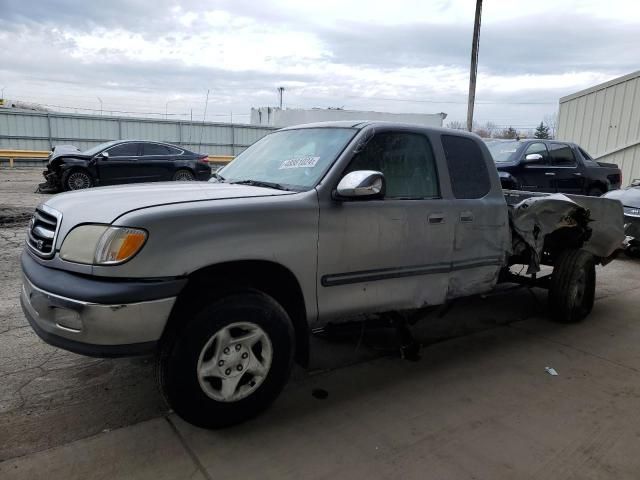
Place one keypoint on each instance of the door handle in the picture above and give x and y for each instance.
(466, 216)
(551, 174)
(435, 218)
(577, 174)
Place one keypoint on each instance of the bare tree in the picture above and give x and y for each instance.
(485, 131)
(509, 133)
(482, 132)
(491, 128)
(551, 122)
(456, 125)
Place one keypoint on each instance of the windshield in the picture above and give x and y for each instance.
(503, 151)
(98, 148)
(294, 159)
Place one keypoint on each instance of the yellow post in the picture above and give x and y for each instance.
(11, 162)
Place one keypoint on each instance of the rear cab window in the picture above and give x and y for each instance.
(587, 159)
(561, 155)
(467, 167)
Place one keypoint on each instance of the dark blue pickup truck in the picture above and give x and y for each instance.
(552, 166)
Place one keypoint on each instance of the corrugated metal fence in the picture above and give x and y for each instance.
(43, 130)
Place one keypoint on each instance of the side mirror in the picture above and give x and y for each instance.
(103, 155)
(533, 158)
(361, 184)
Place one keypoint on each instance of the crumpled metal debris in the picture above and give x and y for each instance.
(535, 217)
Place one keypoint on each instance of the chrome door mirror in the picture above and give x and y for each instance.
(533, 158)
(361, 184)
(103, 155)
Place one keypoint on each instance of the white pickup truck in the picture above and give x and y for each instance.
(312, 224)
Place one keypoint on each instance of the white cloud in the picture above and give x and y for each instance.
(357, 54)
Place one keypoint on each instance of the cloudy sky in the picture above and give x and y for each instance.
(396, 56)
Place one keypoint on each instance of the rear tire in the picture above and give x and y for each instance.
(76, 179)
(595, 192)
(183, 175)
(210, 377)
(572, 289)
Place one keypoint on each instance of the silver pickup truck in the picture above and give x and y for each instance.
(313, 224)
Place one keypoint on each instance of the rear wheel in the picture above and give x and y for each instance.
(76, 179)
(572, 289)
(229, 362)
(183, 175)
(595, 192)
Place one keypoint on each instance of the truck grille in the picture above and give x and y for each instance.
(43, 230)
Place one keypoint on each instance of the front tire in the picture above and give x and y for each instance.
(183, 175)
(229, 362)
(572, 288)
(76, 179)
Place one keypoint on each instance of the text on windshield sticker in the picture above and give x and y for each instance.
(303, 161)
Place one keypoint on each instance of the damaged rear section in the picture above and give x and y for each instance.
(545, 225)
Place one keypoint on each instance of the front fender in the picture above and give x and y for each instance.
(63, 164)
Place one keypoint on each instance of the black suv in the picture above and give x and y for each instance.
(552, 166)
(122, 161)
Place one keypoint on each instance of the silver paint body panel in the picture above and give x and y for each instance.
(195, 225)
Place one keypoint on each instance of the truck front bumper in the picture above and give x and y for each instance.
(99, 329)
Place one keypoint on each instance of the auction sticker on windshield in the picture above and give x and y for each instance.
(302, 161)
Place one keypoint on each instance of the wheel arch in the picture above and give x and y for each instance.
(268, 277)
(601, 185)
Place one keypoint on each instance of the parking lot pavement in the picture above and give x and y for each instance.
(479, 404)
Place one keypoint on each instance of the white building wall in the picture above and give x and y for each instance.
(274, 117)
(605, 121)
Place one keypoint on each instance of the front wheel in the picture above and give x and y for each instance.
(229, 362)
(76, 180)
(183, 176)
(573, 285)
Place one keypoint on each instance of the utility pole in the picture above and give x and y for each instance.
(280, 92)
(474, 65)
(204, 119)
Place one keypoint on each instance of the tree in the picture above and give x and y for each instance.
(456, 125)
(542, 131)
(551, 121)
(482, 132)
(486, 130)
(491, 128)
(509, 133)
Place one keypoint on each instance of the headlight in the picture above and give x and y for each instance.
(632, 211)
(101, 244)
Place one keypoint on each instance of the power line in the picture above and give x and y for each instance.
(415, 100)
(128, 111)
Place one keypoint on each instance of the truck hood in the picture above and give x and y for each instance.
(105, 204)
(630, 197)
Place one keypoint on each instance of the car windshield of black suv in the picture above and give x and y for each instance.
(503, 151)
(289, 159)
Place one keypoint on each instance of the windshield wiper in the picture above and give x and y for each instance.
(260, 183)
(218, 177)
